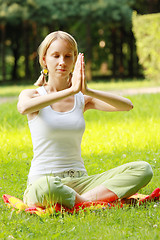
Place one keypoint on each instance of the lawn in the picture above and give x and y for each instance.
(110, 139)
(7, 91)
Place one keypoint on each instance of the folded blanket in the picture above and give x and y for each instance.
(17, 204)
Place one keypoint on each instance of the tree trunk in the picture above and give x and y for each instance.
(36, 68)
(26, 49)
(121, 65)
(130, 63)
(88, 50)
(114, 52)
(15, 49)
(3, 51)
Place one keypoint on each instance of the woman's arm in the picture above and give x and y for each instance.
(101, 100)
(105, 101)
(30, 101)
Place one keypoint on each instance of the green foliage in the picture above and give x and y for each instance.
(111, 139)
(147, 32)
(46, 11)
(25, 23)
(114, 11)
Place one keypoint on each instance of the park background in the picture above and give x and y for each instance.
(120, 40)
(102, 28)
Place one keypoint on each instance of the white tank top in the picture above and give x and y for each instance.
(56, 138)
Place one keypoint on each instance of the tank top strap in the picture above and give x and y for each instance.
(42, 91)
(80, 99)
(79, 96)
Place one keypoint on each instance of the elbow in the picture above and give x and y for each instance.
(129, 107)
(21, 109)
(132, 106)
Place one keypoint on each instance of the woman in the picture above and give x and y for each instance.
(55, 117)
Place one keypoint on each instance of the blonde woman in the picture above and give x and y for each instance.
(55, 117)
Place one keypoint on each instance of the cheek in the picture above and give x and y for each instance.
(71, 63)
(51, 61)
(71, 67)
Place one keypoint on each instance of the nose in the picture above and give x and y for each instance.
(61, 61)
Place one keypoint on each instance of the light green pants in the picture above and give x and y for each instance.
(124, 181)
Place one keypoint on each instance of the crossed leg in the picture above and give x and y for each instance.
(98, 193)
(120, 182)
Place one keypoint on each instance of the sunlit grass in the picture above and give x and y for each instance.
(11, 91)
(121, 84)
(111, 139)
(6, 91)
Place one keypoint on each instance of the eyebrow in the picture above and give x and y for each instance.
(55, 52)
(65, 53)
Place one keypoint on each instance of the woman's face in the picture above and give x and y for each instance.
(59, 58)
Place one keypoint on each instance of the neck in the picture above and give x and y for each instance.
(57, 84)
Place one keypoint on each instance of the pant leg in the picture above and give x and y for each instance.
(49, 190)
(124, 180)
(129, 178)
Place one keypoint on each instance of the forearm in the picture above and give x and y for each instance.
(119, 102)
(34, 104)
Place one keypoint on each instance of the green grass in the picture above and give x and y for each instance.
(110, 139)
(14, 91)
(7, 91)
(119, 85)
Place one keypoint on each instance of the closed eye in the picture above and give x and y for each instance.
(56, 56)
(68, 56)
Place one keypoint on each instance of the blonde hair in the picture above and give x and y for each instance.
(42, 50)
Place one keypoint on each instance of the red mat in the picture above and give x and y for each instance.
(17, 204)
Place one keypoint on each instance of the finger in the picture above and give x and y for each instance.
(78, 59)
(83, 66)
(78, 66)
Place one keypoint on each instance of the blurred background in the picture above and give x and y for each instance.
(103, 29)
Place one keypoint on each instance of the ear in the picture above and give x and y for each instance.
(44, 61)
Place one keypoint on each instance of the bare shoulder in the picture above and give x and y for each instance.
(88, 102)
(87, 99)
(24, 101)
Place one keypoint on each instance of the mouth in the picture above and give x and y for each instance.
(61, 70)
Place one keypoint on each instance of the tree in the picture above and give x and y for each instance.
(101, 28)
(3, 14)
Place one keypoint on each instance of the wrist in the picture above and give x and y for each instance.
(87, 91)
(74, 90)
